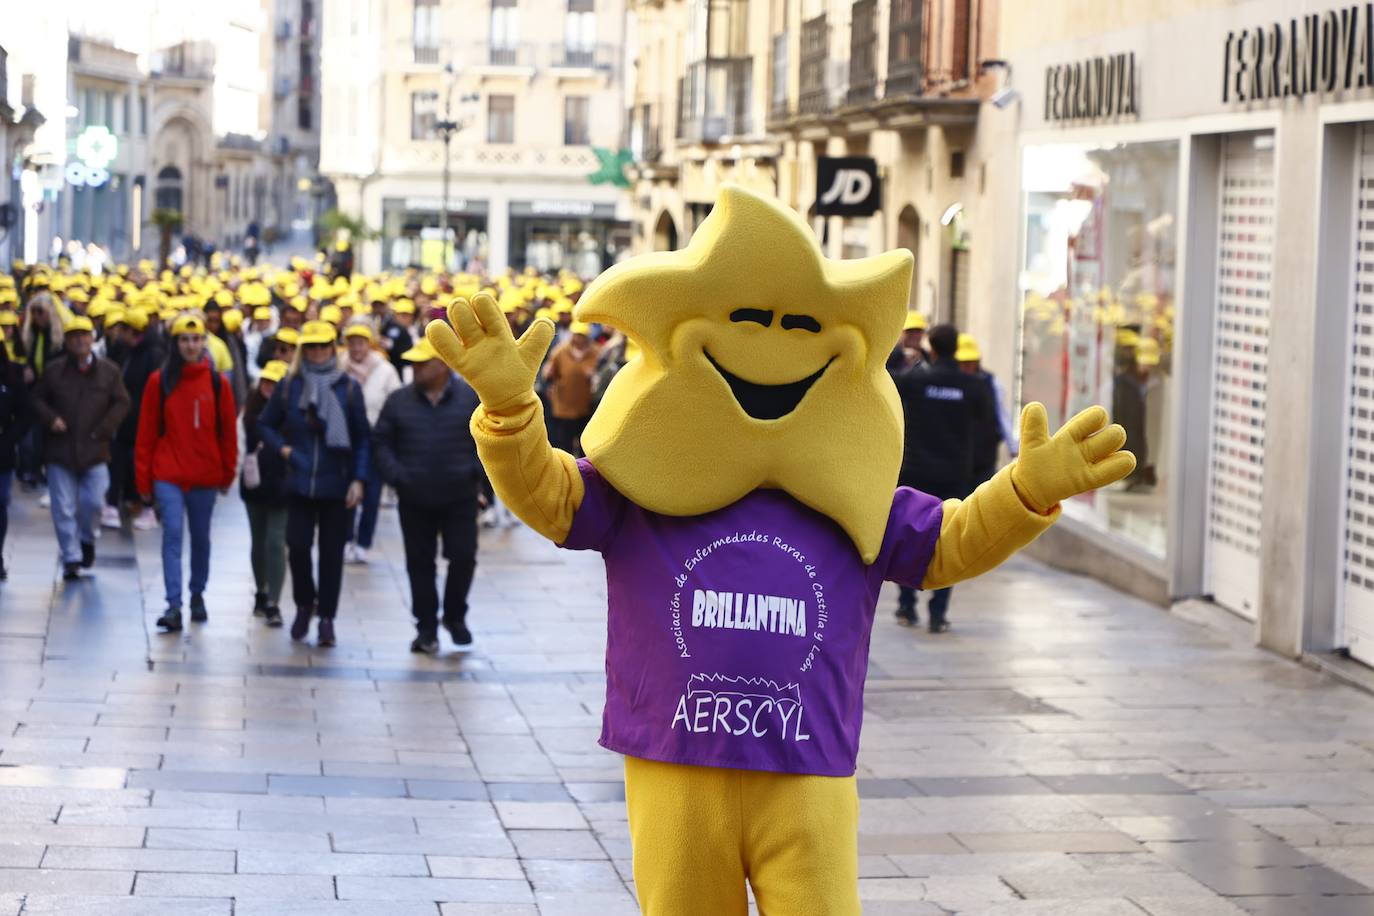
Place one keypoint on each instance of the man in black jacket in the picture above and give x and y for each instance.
(141, 355)
(944, 409)
(423, 448)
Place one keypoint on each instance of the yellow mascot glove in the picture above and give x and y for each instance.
(1085, 454)
(537, 482)
(481, 348)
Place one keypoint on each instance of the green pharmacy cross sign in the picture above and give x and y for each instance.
(611, 165)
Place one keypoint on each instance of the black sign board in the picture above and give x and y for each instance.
(847, 186)
(1306, 55)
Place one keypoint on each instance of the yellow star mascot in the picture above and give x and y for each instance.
(740, 484)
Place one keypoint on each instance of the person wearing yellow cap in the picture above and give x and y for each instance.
(227, 347)
(910, 349)
(568, 380)
(398, 334)
(284, 344)
(424, 448)
(140, 355)
(187, 448)
(265, 495)
(14, 417)
(943, 408)
(993, 429)
(78, 402)
(1130, 399)
(317, 422)
(378, 378)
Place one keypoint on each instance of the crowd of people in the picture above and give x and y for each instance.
(140, 396)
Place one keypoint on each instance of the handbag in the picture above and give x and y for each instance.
(252, 471)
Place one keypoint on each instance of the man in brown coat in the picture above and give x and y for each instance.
(79, 400)
(569, 372)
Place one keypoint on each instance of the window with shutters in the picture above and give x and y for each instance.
(576, 121)
(501, 119)
(426, 31)
(904, 39)
(424, 114)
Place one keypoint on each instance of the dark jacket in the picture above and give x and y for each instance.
(944, 408)
(987, 436)
(14, 409)
(143, 360)
(92, 404)
(426, 450)
(316, 471)
(402, 339)
(271, 466)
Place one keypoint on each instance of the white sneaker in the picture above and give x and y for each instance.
(45, 500)
(360, 556)
(109, 517)
(350, 553)
(146, 520)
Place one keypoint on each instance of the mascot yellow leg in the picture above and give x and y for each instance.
(700, 832)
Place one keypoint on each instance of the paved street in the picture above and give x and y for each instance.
(1063, 750)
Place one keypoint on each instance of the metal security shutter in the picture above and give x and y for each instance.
(1358, 601)
(1241, 361)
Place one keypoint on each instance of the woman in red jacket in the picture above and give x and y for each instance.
(187, 449)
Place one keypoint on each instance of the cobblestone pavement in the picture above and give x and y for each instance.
(1063, 750)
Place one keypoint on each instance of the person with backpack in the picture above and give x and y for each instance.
(186, 449)
(263, 487)
(317, 421)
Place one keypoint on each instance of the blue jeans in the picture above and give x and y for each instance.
(75, 504)
(174, 506)
(362, 522)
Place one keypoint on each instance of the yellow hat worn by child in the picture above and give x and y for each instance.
(741, 486)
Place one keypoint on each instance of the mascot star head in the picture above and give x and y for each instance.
(762, 365)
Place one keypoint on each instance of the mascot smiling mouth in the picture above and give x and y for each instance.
(767, 402)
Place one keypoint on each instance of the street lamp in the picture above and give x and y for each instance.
(447, 127)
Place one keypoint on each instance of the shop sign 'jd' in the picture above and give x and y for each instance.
(847, 186)
(1096, 88)
(1312, 54)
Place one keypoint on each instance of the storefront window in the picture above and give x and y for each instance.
(1097, 288)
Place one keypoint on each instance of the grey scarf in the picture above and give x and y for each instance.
(318, 392)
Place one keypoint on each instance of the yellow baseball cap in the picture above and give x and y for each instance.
(289, 336)
(318, 332)
(113, 315)
(915, 321)
(1147, 352)
(422, 352)
(580, 327)
(262, 313)
(233, 320)
(274, 371)
(78, 324)
(358, 329)
(188, 324)
(331, 314)
(968, 350)
(404, 307)
(8, 319)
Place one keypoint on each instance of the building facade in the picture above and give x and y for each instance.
(531, 91)
(759, 93)
(1192, 184)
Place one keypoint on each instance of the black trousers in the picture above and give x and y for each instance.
(303, 517)
(567, 434)
(421, 527)
(122, 487)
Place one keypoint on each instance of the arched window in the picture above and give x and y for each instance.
(168, 194)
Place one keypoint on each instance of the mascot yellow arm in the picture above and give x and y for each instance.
(1022, 500)
(537, 482)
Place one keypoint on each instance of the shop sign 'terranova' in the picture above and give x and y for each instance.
(1313, 54)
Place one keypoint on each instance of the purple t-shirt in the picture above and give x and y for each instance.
(739, 638)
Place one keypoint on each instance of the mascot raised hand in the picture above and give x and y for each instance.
(740, 483)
